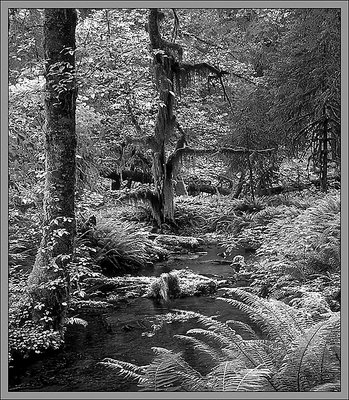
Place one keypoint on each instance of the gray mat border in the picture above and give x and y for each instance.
(5, 5)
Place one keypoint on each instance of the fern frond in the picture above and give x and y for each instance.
(244, 328)
(275, 352)
(231, 377)
(275, 318)
(275, 308)
(214, 325)
(213, 354)
(251, 353)
(257, 349)
(311, 360)
(76, 321)
(169, 372)
(263, 321)
(220, 377)
(193, 382)
(124, 369)
(328, 387)
(215, 337)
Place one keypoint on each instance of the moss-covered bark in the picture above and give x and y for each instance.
(49, 280)
(165, 122)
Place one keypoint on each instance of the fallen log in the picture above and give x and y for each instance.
(127, 175)
(195, 189)
(335, 181)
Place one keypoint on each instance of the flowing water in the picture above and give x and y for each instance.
(125, 333)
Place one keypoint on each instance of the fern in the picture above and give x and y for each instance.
(313, 358)
(210, 353)
(278, 320)
(76, 321)
(231, 376)
(311, 238)
(124, 369)
(245, 328)
(169, 372)
(328, 387)
(297, 356)
(221, 337)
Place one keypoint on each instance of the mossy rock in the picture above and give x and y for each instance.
(178, 243)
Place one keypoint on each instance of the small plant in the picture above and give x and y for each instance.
(25, 336)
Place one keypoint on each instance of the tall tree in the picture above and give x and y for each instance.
(49, 280)
(171, 74)
(165, 56)
(307, 79)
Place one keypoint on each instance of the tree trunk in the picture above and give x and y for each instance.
(49, 280)
(324, 155)
(251, 177)
(240, 185)
(165, 121)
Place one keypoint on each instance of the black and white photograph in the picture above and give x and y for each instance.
(174, 188)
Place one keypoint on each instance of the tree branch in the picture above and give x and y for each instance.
(186, 150)
(204, 68)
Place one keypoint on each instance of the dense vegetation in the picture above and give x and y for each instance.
(137, 134)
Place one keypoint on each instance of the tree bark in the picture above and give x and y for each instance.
(169, 72)
(165, 121)
(48, 282)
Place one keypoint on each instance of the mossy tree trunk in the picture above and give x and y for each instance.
(170, 74)
(48, 282)
(163, 63)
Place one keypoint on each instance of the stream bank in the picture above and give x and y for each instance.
(125, 323)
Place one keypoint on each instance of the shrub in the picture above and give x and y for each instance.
(25, 336)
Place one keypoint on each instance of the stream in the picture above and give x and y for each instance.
(125, 333)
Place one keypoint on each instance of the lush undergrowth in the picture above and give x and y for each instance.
(294, 242)
(296, 354)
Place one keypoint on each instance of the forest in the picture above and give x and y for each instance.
(174, 191)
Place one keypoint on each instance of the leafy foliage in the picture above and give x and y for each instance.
(27, 337)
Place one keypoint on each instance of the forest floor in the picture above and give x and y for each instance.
(128, 279)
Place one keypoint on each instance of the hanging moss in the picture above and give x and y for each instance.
(147, 196)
